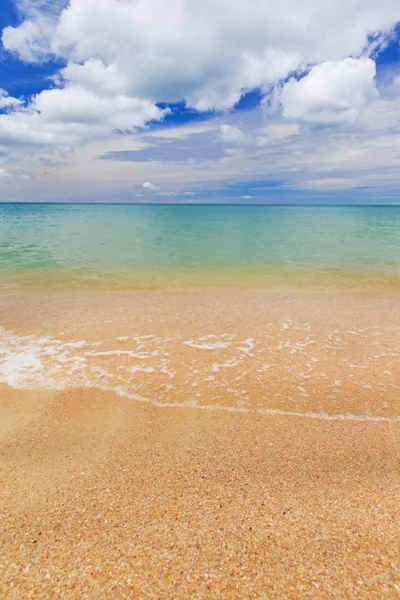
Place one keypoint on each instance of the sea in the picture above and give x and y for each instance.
(111, 246)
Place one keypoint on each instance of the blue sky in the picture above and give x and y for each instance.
(137, 101)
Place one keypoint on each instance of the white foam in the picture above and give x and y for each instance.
(248, 346)
(234, 362)
(326, 417)
(29, 362)
(210, 342)
(16, 368)
(140, 369)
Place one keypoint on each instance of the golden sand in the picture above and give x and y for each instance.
(103, 496)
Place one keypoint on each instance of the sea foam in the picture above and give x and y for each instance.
(146, 372)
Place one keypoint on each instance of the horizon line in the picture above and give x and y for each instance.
(110, 203)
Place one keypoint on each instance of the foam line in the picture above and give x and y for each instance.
(262, 411)
(325, 417)
(29, 362)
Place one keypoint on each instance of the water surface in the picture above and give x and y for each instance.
(178, 246)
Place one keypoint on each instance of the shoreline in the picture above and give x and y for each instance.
(321, 354)
(245, 279)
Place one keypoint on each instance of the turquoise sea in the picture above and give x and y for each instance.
(188, 246)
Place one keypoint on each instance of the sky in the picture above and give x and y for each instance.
(229, 101)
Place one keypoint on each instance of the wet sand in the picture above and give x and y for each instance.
(103, 496)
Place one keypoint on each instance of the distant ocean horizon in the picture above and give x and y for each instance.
(184, 246)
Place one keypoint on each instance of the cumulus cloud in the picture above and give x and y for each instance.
(7, 101)
(149, 186)
(206, 52)
(72, 114)
(32, 39)
(333, 92)
(123, 57)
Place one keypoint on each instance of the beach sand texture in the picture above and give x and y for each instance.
(200, 445)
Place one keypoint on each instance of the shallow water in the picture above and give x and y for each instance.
(173, 246)
(329, 356)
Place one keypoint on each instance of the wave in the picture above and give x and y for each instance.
(141, 368)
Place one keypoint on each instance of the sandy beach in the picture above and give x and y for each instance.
(199, 300)
(288, 490)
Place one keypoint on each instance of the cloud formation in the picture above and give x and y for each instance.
(68, 115)
(7, 101)
(313, 62)
(149, 186)
(122, 57)
(19, 175)
(333, 92)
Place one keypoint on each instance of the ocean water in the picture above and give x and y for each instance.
(179, 246)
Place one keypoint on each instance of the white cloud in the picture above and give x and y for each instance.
(122, 57)
(333, 92)
(18, 175)
(31, 40)
(206, 52)
(149, 186)
(7, 101)
(73, 114)
(232, 135)
(82, 107)
(5, 174)
(313, 161)
(247, 197)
